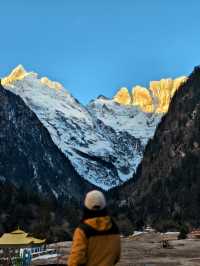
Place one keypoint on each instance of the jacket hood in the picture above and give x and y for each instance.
(99, 223)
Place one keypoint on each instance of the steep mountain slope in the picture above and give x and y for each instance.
(105, 140)
(127, 129)
(168, 185)
(28, 156)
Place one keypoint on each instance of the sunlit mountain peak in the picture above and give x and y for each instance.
(141, 97)
(154, 99)
(163, 91)
(19, 73)
(123, 96)
(51, 84)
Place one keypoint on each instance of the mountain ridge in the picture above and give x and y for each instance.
(104, 140)
(156, 98)
(158, 90)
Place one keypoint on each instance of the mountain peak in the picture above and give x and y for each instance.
(123, 96)
(163, 90)
(156, 98)
(102, 97)
(141, 97)
(19, 73)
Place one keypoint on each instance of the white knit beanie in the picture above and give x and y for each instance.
(95, 200)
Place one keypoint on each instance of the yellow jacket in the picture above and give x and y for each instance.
(96, 242)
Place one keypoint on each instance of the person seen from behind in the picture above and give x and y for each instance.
(96, 241)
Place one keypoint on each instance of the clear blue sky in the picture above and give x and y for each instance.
(96, 46)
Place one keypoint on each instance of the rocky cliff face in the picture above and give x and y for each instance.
(168, 185)
(28, 156)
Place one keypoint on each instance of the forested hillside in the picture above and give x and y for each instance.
(167, 189)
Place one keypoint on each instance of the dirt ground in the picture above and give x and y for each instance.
(143, 251)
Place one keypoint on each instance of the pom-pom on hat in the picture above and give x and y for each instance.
(95, 200)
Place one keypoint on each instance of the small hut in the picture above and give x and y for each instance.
(18, 244)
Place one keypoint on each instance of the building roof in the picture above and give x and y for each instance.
(19, 238)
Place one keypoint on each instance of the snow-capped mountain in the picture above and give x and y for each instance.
(104, 141)
(127, 129)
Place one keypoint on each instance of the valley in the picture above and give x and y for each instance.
(136, 157)
(144, 251)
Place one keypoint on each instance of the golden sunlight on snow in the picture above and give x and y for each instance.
(142, 98)
(123, 96)
(163, 91)
(155, 99)
(51, 84)
(19, 73)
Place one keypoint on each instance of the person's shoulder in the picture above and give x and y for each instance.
(86, 229)
(79, 233)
